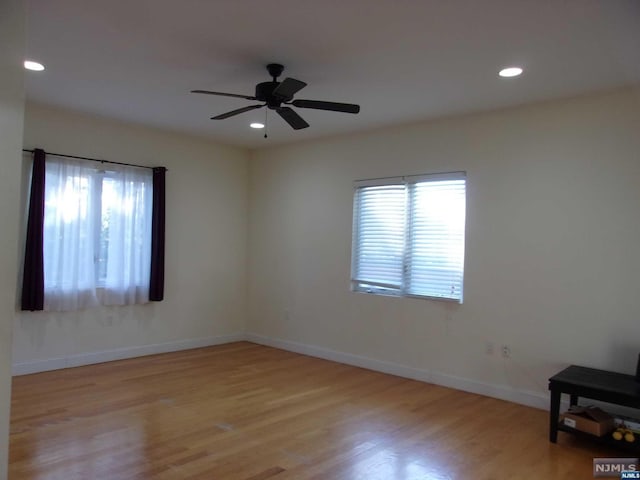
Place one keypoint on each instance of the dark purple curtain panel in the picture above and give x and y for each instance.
(33, 275)
(156, 287)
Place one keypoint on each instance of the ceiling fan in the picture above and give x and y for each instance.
(275, 94)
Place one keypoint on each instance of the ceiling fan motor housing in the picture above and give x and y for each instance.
(264, 93)
(264, 90)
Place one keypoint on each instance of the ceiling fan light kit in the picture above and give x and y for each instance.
(275, 94)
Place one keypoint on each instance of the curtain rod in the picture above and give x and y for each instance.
(26, 150)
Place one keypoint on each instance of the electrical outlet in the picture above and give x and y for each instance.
(506, 351)
(489, 348)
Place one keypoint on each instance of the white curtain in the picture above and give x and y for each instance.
(97, 234)
(127, 197)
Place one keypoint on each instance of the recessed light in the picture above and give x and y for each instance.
(510, 72)
(35, 66)
(257, 125)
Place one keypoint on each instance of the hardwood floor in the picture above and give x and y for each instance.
(248, 412)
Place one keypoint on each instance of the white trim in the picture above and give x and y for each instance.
(25, 368)
(523, 397)
(436, 177)
(378, 182)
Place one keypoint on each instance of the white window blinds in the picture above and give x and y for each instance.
(409, 236)
(436, 238)
(379, 235)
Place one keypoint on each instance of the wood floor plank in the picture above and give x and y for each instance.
(248, 412)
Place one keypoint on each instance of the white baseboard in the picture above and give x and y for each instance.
(25, 368)
(523, 397)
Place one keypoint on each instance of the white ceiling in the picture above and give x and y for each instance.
(401, 60)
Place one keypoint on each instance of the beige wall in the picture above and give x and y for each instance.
(205, 289)
(11, 121)
(551, 269)
(552, 261)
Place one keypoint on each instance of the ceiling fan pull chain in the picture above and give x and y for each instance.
(265, 122)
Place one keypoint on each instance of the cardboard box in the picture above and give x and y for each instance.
(588, 419)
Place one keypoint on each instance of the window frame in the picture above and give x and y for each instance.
(360, 285)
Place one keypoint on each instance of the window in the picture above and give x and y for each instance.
(408, 236)
(97, 234)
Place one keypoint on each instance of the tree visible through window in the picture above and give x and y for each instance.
(408, 236)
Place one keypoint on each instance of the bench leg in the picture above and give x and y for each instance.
(554, 413)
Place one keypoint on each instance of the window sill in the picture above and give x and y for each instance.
(407, 295)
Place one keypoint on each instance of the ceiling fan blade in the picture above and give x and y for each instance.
(222, 116)
(292, 118)
(207, 92)
(332, 106)
(288, 88)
